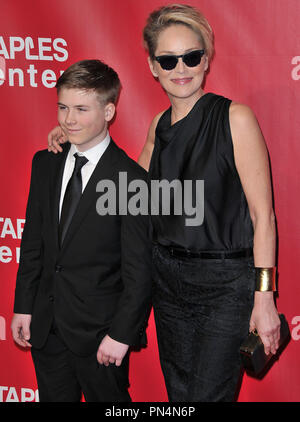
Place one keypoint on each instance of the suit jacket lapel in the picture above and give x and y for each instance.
(104, 169)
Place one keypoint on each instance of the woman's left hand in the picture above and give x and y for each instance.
(265, 320)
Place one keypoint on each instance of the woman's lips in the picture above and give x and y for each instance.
(181, 81)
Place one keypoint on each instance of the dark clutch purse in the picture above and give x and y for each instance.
(252, 352)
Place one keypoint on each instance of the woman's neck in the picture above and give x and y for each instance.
(182, 106)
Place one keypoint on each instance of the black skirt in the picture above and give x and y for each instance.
(202, 309)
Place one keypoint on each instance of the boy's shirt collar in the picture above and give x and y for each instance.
(93, 154)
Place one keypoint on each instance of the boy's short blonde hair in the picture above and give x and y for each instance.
(92, 75)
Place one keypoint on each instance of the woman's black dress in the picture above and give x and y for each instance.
(203, 267)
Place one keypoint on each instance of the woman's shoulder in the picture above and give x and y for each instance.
(156, 118)
(153, 125)
(241, 115)
(235, 105)
(244, 126)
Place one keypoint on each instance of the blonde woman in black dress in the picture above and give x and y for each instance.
(208, 278)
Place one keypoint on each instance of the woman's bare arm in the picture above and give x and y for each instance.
(146, 154)
(252, 163)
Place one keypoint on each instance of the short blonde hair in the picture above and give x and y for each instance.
(92, 75)
(178, 14)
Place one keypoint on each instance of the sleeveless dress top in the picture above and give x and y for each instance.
(199, 148)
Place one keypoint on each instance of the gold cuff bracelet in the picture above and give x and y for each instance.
(265, 280)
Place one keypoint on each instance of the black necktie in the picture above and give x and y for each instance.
(72, 197)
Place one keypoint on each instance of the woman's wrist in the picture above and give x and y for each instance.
(263, 298)
(265, 279)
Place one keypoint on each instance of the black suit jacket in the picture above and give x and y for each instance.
(99, 281)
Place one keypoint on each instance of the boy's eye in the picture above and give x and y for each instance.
(61, 107)
(81, 109)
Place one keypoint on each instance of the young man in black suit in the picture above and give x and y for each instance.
(83, 290)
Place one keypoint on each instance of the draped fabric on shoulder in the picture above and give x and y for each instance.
(199, 147)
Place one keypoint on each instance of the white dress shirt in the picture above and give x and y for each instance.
(93, 155)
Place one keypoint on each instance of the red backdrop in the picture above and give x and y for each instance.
(257, 62)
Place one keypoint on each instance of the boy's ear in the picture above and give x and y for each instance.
(109, 111)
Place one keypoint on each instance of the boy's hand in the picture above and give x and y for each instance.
(111, 351)
(20, 327)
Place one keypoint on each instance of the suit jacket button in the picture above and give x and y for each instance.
(51, 298)
(58, 268)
